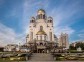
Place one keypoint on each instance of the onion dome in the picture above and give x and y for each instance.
(32, 19)
(41, 33)
(41, 11)
(50, 19)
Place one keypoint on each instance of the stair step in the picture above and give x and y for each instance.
(41, 57)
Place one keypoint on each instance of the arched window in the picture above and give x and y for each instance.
(45, 37)
(32, 21)
(50, 21)
(31, 37)
(37, 37)
(43, 16)
(50, 33)
(38, 16)
(40, 37)
(41, 43)
(41, 28)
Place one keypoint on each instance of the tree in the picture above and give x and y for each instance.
(80, 45)
(72, 47)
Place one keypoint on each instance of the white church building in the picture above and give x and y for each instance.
(41, 31)
(41, 28)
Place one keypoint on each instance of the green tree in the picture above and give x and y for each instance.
(80, 45)
(72, 47)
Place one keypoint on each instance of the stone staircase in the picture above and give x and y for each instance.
(41, 57)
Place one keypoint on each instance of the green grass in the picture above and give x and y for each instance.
(5, 60)
(8, 59)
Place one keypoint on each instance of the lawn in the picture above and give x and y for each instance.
(15, 57)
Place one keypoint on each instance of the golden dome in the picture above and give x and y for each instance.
(41, 33)
(41, 11)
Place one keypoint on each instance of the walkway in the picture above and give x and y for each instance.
(41, 57)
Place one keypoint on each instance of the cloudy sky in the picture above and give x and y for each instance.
(15, 15)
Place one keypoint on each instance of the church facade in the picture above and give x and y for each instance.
(41, 32)
(41, 28)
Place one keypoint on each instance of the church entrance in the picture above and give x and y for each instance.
(41, 51)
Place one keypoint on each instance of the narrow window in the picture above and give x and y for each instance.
(31, 36)
(41, 28)
(37, 37)
(43, 16)
(50, 36)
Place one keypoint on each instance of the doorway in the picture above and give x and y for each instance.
(41, 51)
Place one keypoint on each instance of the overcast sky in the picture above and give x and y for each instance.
(68, 17)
